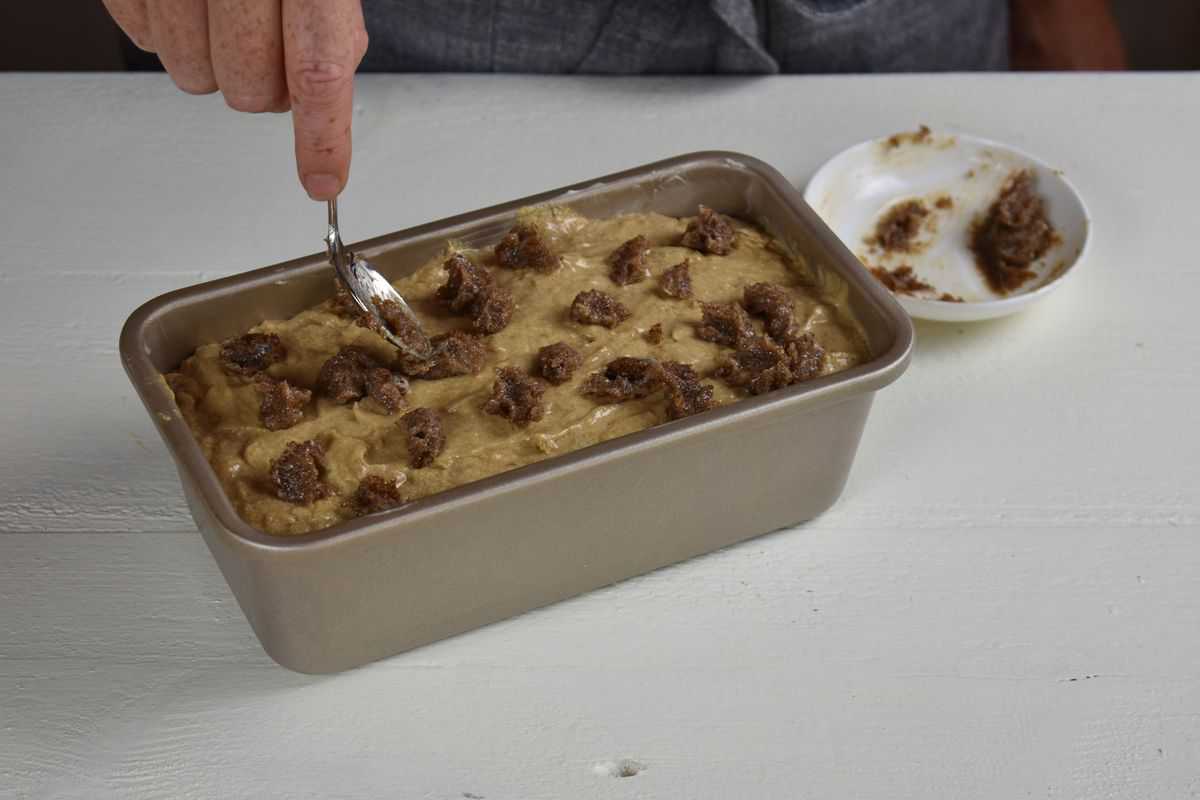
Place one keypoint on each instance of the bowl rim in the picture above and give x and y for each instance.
(992, 308)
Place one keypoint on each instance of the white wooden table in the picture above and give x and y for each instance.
(1004, 604)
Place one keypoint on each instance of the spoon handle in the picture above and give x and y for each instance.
(333, 239)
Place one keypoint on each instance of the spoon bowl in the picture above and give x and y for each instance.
(376, 297)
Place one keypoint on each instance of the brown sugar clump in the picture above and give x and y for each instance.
(425, 436)
(677, 281)
(597, 308)
(282, 404)
(343, 378)
(557, 362)
(353, 374)
(470, 289)
(686, 395)
(945, 202)
(726, 324)
(624, 378)
(758, 366)
(344, 305)
(761, 365)
(946, 297)
(709, 233)
(897, 230)
(251, 353)
(524, 248)
(627, 264)
(1013, 234)
(774, 304)
(370, 322)
(901, 280)
(401, 323)
(654, 334)
(466, 284)
(517, 397)
(297, 473)
(454, 353)
(492, 313)
(376, 493)
(805, 357)
(386, 388)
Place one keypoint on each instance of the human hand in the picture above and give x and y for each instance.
(265, 55)
(1065, 35)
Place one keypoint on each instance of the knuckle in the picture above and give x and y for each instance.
(323, 135)
(318, 82)
(324, 149)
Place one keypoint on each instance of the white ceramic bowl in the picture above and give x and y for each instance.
(854, 188)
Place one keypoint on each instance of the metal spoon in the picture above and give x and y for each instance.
(374, 294)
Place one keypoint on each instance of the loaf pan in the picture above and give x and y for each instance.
(370, 588)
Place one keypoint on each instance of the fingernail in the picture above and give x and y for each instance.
(321, 186)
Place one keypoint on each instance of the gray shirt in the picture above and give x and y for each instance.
(685, 36)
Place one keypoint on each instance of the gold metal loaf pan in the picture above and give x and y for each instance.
(370, 588)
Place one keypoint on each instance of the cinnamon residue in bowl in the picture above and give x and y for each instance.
(897, 230)
(1013, 234)
(901, 280)
(919, 136)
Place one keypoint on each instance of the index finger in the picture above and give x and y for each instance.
(323, 41)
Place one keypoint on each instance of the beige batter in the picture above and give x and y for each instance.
(223, 410)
